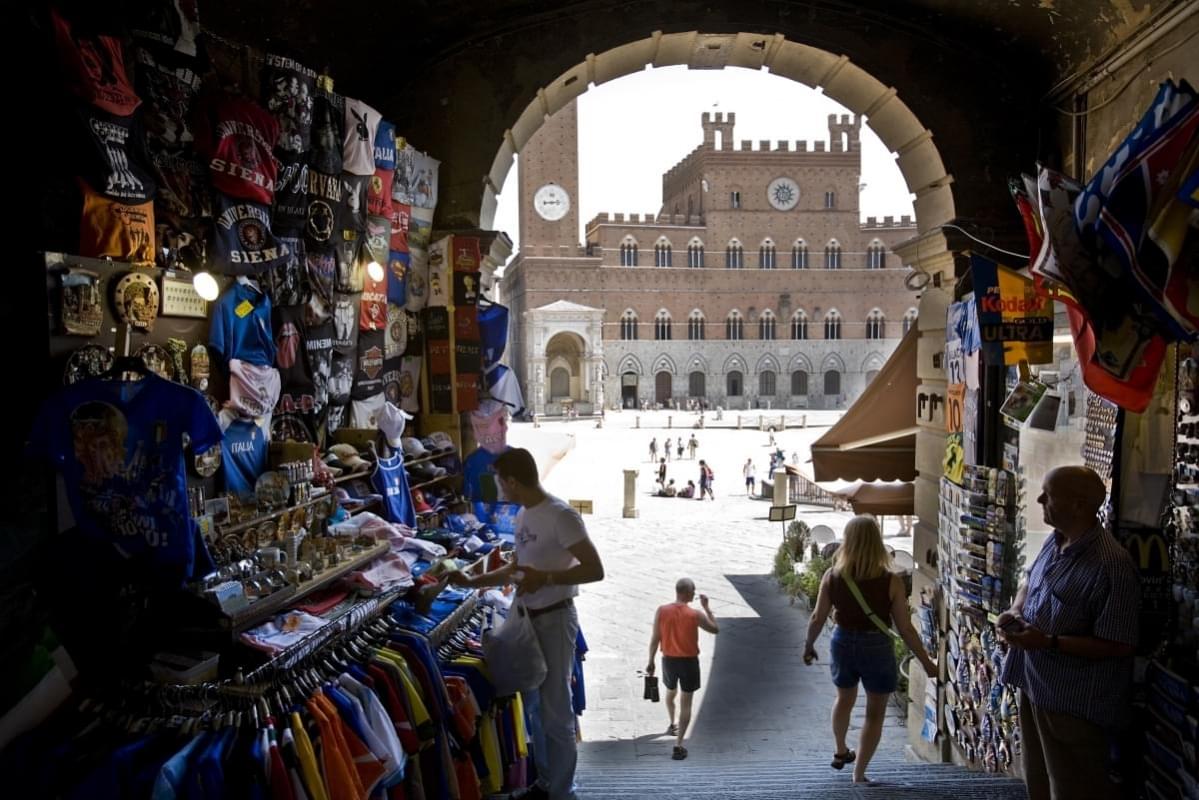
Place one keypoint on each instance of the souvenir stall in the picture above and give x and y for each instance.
(1050, 364)
(258, 364)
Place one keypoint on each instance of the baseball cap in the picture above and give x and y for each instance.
(442, 441)
(349, 457)
(418, 502)
(392, 419)
(413, 447)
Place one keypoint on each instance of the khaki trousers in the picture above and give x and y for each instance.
(1065, 757)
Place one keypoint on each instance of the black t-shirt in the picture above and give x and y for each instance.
(324, 206)
(291, 196)
(288, 281)
(368, 378)
(116, 162)
(328, 117)
(291, 358)
(322, 271)
(352, 215)
(288, 92)
(318, 343)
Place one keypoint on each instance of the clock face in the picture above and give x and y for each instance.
(783, 193)
(551, 202)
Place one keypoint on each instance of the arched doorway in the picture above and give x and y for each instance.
(628, 390)
(662, 387)
(696, 384)
(564, 366)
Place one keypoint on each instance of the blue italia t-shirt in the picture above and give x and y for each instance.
(243, 455)
(241, 326)
(119, 448)
(493, 333)
(390, 480)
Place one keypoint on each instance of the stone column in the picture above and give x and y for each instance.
(780, 486)
(630, 494)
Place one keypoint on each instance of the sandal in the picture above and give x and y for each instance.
(841, 759)
(679, 753)
(672, 730)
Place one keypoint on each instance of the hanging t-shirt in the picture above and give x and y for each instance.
(502, 385)
(390, 480)
(291, 196)
(392, 377)
(328, 120)
(243, 243)
(401, 216)
(466, 326)
(238, 138)
(396, 341)
(341, 377)
(368, 378)
(376, 239)
(119, 448)
(493, 332)
(416, 178)
(351, 265)
(385, 148)
(288, 89)
(94, 65)
(244, 449)
(352, 212)
(418, 278)
(174, 25)
(397, 280)
(168, 84)
(373, 308)
(420, 228)
(112, 229)
(345, 321)
(378, 195)
(253, 389)
(322, 270)
(318, 342)
(478, 476)
(182, 182)
(466, 288)
(325, 199)
(440, 282)
(358, 138)
(337, 417)
(410, 384)
(289, 279)
(241, 326)
(116, 161)
(291, 357)
(365, 413)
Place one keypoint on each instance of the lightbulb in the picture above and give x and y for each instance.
(375, 270)
(206, 286)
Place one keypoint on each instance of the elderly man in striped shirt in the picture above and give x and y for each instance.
(1072, 629)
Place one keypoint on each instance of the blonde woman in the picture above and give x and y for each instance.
(861, 649)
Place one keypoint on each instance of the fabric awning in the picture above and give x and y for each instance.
(876, 439)
(881, 499)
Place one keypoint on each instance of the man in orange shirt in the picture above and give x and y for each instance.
(676, 629)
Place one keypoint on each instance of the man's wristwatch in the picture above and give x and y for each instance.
(1054, 645)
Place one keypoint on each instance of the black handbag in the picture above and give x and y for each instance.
(651, 688)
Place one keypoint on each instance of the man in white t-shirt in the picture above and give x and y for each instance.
(553, 556)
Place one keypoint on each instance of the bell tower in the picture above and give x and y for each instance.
(548, 169)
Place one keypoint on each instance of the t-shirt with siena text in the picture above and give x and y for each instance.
(119, 448)
(238, 138)
(544, 535)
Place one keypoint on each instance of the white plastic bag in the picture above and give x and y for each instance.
(513, 653)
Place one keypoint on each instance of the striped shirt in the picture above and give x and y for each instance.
(1091, 589)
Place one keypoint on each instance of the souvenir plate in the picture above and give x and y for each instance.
(89, 361)
(136, 300)
(208, 462)
(157, 360)
(272, 489)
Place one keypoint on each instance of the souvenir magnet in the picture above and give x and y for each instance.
(136, 300)
(82, 312)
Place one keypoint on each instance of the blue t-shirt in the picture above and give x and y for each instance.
(119, 447)
(480, 487)
(397, 281)
(241, 326)
(493, 333)
(243, 455)
(391, 481)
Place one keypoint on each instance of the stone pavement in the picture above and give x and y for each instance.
(758, 701)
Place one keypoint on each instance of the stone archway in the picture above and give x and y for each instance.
(918, 158)
(564, 357)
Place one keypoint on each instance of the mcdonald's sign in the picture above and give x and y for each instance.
(1143, 548)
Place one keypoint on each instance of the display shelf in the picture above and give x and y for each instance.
(433, 457)
(364, 474)
(438, 479)
(260, 610)
(224, 530)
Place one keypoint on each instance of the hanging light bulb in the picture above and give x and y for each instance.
(375, 270)
(206, 286)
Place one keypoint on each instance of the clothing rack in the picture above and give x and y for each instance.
(450, 624)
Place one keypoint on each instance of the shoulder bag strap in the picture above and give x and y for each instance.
(857, 595)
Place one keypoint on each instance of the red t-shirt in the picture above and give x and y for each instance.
(237, 137)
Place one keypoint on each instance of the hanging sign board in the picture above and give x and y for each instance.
(1016, 324)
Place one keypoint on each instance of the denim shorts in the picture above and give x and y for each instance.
(866, 656)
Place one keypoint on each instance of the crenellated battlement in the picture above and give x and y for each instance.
(873, 223)
(647, 220)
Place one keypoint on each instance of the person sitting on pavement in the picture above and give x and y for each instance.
(868, 598)
(687, 491)
(676, 629)
(668, 490)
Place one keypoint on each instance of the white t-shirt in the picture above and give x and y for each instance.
(544, 535)
(748, 471)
